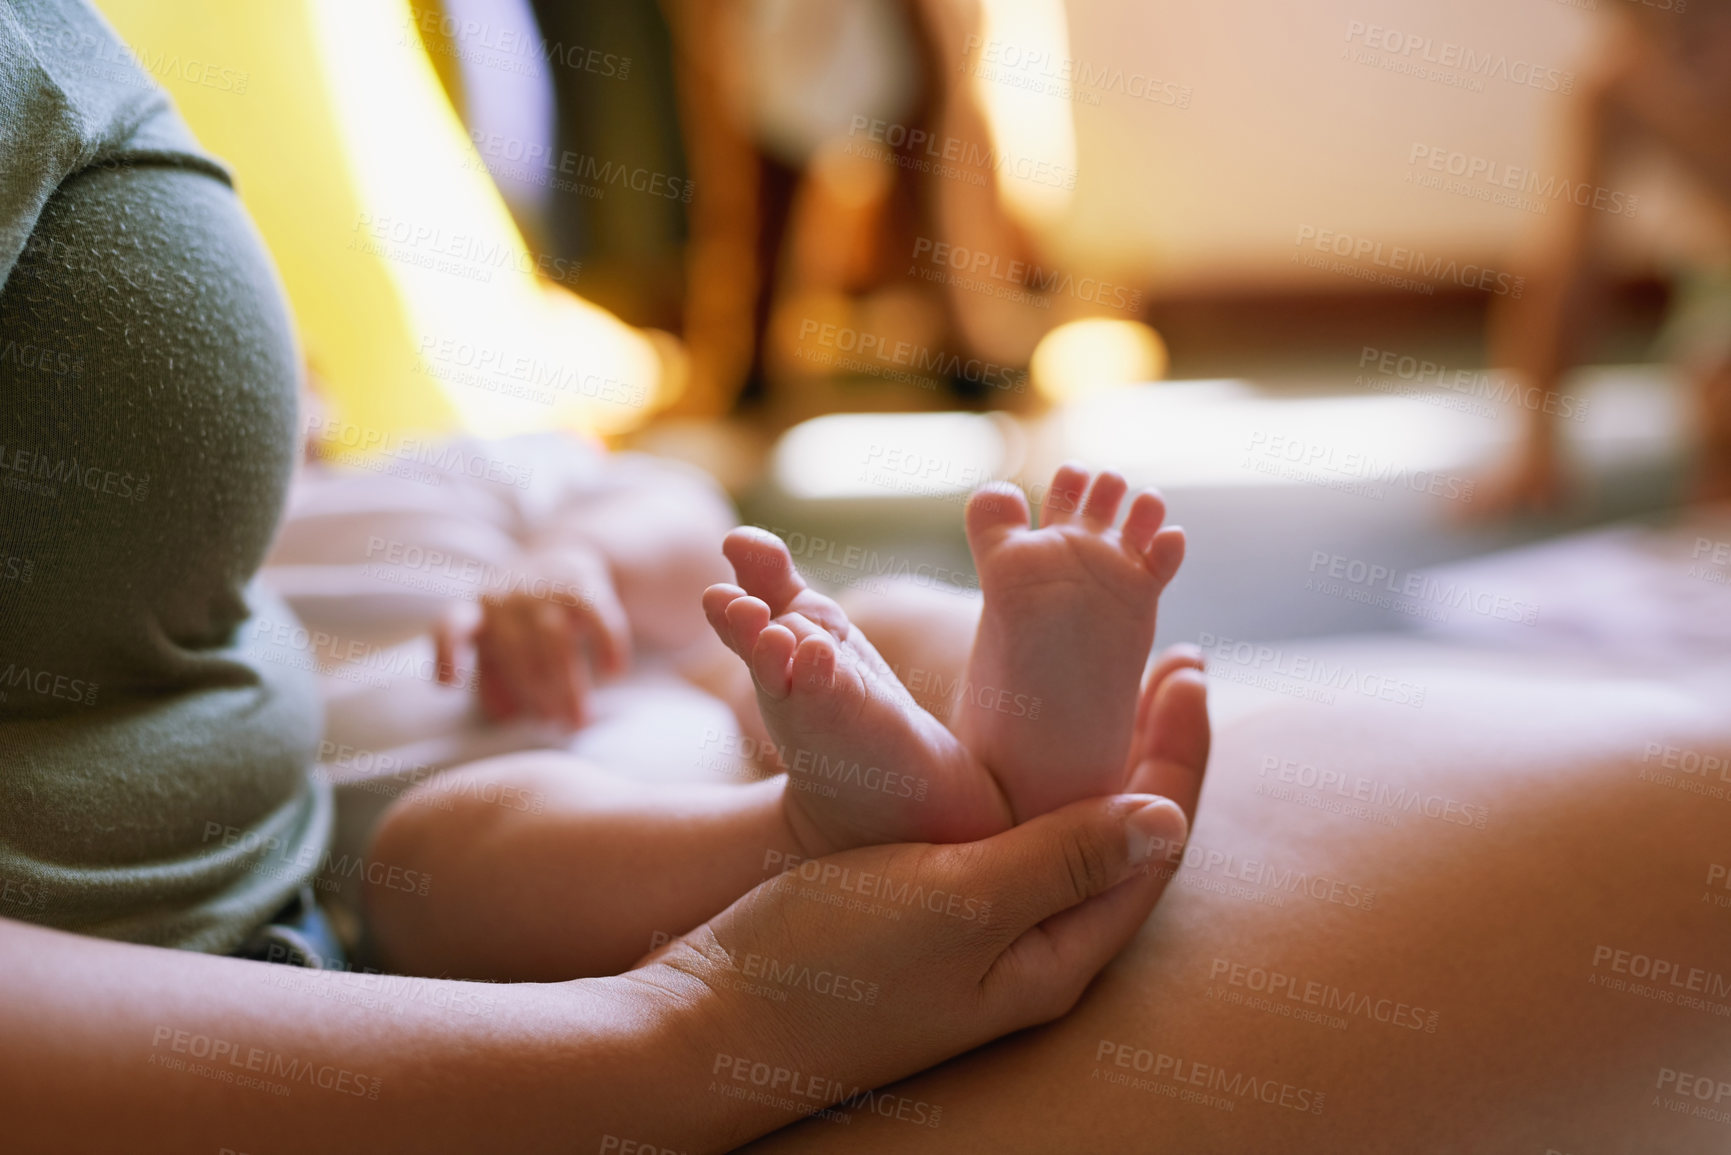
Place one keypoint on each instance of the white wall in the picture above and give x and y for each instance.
(1282, 131)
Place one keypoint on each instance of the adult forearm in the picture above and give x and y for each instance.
(107, 1046)
(884, 961)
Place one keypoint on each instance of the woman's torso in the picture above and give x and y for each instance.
(157, 719)
(1490, 924)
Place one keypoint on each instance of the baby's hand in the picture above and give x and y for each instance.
(540, 636)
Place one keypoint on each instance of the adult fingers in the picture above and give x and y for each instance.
(1172, 659)
(1170, 755)
(1079, 886)
(1062, 859)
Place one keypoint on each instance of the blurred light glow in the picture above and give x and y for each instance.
(1206, 433)
(417, 301)
(501, 98)
(889, 455)
(487, 346)
(1030, 128)
(811, 69)
(1082, 357)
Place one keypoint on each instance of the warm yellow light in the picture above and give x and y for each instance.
(418, 302)
(507, 352)
(1022, 43)
(894, 455)
(1084, 357)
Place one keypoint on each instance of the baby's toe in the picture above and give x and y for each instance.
(746, 617)
(1100, 509)
(1064, 498)
(814, 663)
(1147, 511)
(993, 511)
(763, 566)
(1165, 554)
(716, 599)
(772, 660)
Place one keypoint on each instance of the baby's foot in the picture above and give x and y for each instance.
(1050, 697)
(866, 764)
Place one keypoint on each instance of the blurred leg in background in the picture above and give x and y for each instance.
(1661, 87)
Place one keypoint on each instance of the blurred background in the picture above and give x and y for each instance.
(854, 257)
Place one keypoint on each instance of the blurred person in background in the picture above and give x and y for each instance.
(1662, 88)
(826, 141)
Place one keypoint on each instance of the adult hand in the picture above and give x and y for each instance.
(1169, 747)
(541, 637)
(853, 970)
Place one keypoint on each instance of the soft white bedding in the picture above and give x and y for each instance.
(1657, 597)
(1641, 602)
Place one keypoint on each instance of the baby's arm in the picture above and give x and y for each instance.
(605, 574)
(658, 528)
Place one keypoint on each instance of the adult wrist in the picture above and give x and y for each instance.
(695, 1029)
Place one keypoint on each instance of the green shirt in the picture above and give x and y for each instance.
(155, 740)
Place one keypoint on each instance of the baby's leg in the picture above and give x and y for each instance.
(1049, 699)
(538, 867)
(925, 635)
(866, 764)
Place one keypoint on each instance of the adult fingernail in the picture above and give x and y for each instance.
(1155, 827)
